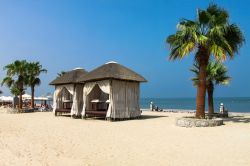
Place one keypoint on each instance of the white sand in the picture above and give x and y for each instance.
(42, 139)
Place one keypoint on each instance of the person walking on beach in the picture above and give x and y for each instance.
(152, 106)
(222, 109)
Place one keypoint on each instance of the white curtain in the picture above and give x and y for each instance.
(105, 86)
(86, 90)
(77, 100)
(108, 115)
(58, 89)
(70, 88)
(88, 87)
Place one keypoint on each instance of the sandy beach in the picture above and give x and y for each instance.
(41, 139)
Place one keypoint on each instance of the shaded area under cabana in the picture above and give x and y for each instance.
(97, 102)
(111, 91)
(67, 96)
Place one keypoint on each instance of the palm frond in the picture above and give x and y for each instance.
(216, 74)
(33, 72)
(8, 81)
(234, 37)
(195, 69)
(218, 52)
(184, 41)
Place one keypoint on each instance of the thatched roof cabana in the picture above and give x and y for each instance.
(112, 90)
(70, 77)
(68, 92)
(112, 70)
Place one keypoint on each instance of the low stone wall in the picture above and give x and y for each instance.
(193, 122)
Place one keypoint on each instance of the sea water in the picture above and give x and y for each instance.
(232, 104)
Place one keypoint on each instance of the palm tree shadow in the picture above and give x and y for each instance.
(142, 117)
(237, 119)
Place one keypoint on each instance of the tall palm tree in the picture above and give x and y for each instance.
(34, 69)
(216, 74)
(16, 76)
(209, 34)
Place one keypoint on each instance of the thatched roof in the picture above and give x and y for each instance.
(112, 70)
(70, 77)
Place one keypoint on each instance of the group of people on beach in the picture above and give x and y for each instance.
(153, 107)
(26, 104)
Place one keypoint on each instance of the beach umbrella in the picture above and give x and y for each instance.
(6, 98)
(49, 97)
(41, 98)
(26, 96)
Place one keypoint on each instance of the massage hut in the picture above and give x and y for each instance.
(68, 92)
(111, 91)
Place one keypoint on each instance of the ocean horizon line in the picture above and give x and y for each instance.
(189, 97)
(232, 104)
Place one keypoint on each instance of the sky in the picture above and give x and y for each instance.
(65, 34)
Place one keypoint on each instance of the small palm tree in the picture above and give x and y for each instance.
(210, 34)
(14, 90)
(34, 69)
(61, 73)
(216, 74)
(16, 76)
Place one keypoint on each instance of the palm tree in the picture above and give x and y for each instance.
(16, 76)
(216, 74)
(61, 73)
(14, 90)
(34, 69)
(210, 34)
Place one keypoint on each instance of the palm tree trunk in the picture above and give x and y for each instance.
(202, 57)
(32, 96)
(21, 95)
(20, 100)
(210, 91)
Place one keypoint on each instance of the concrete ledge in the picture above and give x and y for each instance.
(193, 122)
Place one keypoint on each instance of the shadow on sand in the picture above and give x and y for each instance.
(142, 117)
(64, 115)
(237, 119)
(145, 117)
